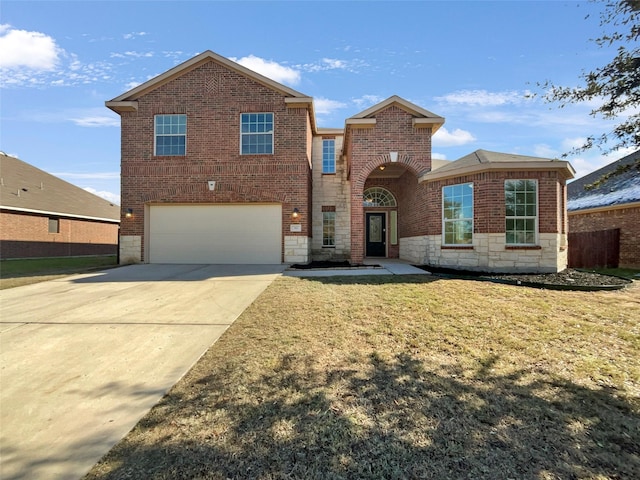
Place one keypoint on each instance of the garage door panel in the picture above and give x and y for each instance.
(215, 234)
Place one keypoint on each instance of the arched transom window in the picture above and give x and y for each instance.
(378, 197)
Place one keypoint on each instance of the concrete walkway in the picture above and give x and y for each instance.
(83, 358)
(378, 266)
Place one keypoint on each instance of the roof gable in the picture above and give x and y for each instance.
(421, 116)
(124, 102)
(26, 188)
(482, 160)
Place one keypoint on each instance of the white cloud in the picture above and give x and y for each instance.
(129, 36)
(483, 98)
(270, 69)
(438, 156)
(22, 49)
(112, 197)
(444, 138)
(132, 54)
(545, 151)
(366, 101)
(330, 64)
(324, 106)
(96, 121)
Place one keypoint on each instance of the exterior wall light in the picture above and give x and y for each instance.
(296, 214)
(129, 213)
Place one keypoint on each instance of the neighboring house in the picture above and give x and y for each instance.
(44, 216)
(608, 200)
(223, 165)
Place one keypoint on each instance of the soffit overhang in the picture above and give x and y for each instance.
(564, 168)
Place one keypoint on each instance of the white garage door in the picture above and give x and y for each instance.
(215, 234)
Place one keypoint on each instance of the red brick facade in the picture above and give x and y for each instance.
(388, 146)
(489, 200)
(368, 149)
(213, 98)
(627, 219)
(24, 235)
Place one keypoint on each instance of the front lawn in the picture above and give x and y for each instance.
(404, 377)
(14, 273)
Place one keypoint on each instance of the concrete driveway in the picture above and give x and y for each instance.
(83, 358)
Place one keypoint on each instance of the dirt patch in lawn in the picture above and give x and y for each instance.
(380, 377)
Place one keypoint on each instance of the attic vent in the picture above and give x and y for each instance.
(211, 83)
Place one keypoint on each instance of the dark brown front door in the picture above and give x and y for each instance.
(376, 232)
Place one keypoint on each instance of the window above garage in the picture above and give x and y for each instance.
(170, 135)
(256, 133)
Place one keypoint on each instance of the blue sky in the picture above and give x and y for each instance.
(472, 62)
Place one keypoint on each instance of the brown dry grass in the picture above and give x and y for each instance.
(404, 377)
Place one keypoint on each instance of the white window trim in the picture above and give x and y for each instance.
(273, 135)
(537, 217)
(334, 231)
(444, 220)
(334, 156)
(155, 135)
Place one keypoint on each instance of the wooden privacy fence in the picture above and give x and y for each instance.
(594, 249)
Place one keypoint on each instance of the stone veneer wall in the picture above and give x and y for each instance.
(297, 249)
(414, 249)
(489, 253)
(330, 190)
(130, 249)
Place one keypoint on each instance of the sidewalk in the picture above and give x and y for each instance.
(376, 266)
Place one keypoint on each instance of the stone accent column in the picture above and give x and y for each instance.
(130, 249)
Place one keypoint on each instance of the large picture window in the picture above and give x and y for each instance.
(328, 156)
(521, 216)
(457, 214)
(256, 133)
(170, 135)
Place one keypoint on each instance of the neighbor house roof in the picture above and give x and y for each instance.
(128, 101)
(615, 184)
(483, 160)
(25, 188)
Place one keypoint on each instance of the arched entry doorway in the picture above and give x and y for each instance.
(381, 221)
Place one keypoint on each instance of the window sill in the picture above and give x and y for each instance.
(457, 247)
(523, 247)
(328, 246)
(328, 173)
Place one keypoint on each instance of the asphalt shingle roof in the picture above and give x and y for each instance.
(24, 187)
(615, 184)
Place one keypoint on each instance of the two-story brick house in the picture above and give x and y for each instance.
(223, 165)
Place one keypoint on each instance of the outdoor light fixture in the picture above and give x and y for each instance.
(381, 167)
(129, 213)
(296, 213)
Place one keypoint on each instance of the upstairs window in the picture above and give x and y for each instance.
(328, 156)
(521, 202)
(256, 133)
(170, 135)
(457, 214)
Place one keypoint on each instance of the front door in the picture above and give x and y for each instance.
(376, 235)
